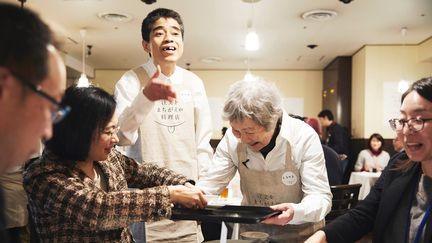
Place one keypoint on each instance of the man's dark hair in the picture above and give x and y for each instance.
(23, 43)
(153, 16)
(326, 113)
(91, 110)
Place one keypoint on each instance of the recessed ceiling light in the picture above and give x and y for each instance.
(319, 15)
(212, 59)
(115, 17)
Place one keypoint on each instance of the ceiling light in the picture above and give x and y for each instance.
(252, 41)
(403, 84)
(115, 17)
(319, 15)
(249, 77)
(83, 80)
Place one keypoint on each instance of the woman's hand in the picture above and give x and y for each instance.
(187, 196)
(282, 219)
(318, 237)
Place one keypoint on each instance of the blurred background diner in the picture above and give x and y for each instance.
(374, 158)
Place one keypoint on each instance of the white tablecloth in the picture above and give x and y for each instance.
(367, 179)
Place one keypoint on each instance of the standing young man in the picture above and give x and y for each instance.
(164, 114)
(337, 138)
(32, 80)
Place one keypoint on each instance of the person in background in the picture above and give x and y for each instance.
(164, 115)
(32, 80)
(332, 160)
(337, 138)
(397, 144)
(280, 161)
(78, 189)
(373, 158)
(314, 124)
(397, 208)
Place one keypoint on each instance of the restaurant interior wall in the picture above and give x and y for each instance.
(381, 65)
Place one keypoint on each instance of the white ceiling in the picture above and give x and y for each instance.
(218, 27)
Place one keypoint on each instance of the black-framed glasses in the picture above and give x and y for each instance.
(415, 124)
(60, 111)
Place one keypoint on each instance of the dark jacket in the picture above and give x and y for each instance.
(385, 211)
(337, 138)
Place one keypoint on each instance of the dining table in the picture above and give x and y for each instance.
(366, 179)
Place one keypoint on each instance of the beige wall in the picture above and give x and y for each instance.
(425, 51)
(107, 79)
(292, 84)
(358, 94)
(372, 67)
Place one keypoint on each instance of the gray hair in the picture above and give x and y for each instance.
(257, 100)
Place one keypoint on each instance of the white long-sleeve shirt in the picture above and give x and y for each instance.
(306, 152)
(133, 106)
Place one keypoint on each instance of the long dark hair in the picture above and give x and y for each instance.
(92, 109)
(424, 88)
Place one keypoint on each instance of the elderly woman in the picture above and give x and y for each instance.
(78, 189)
(279, 158)
(398, 207)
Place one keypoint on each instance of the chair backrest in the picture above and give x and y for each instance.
(345, 197)
(333, 166)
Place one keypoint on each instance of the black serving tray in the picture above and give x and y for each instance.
(234, 214)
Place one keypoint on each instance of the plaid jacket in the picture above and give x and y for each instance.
(67, 206)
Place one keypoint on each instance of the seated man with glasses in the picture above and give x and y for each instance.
(32, 80)
(398, 207)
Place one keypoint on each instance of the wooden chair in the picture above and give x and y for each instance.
(345, 197)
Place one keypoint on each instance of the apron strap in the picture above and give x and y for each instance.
(142, 75)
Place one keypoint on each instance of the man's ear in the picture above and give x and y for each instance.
(146, 47)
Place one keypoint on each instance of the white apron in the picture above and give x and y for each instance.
(266, 188)
(166, 136)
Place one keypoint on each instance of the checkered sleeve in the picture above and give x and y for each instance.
(94, 208)
(143, 175)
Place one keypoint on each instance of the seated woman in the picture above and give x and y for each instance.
(373, 158)
(78, 189)
(397, 208)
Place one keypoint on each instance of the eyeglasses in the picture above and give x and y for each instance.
(415, 124)
(112, 131)
(60, 111)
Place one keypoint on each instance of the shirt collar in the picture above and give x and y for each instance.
(175, 78)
